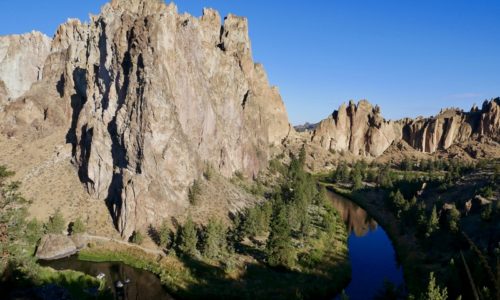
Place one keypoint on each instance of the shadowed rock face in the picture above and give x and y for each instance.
(360, 129)
(149, 97)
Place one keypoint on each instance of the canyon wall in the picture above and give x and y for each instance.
(150, 97)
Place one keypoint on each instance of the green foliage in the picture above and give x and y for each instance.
(434, 292)
(239, 175)
(257, 220)
(279, 246)
(194, 192)
(384, 178)
(406, 164)
(188, 238)
(433, 223)
(277, 167)
(4, 174)
(453, 219)
(34, 231)
(78, 227)
(341, 174)
(486, 212)
(214, 239)
(397, 203)
(164, 234)
(56, 223)
(137, 238)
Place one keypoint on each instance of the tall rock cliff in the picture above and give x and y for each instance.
(150, 97)
(21, 62)
(361, 130)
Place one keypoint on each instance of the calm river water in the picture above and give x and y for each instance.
(371, 253)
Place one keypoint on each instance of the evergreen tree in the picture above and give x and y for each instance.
(280, 251)
(214, 243)
(433, 223)
(434, 292)
(188, 238)
(164, 235)
(453, 219)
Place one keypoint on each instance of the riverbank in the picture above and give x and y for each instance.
(239, 276)
(406, 249)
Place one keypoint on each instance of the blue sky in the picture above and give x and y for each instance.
(410, 57)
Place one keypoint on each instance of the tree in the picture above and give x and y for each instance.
(214, 243)
(433, 223)
(164, 234)
(188, 238)
(357, 182)
(453, 219)
(280, 251)
(194, 192)
(78, 227)
(56, 224)
(434, 292)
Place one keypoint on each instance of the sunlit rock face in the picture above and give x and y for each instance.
(21, 62)
(149, 97)
(361, 130)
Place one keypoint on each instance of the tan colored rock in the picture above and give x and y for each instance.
(55, 246)
(149, 97)
(22, 58)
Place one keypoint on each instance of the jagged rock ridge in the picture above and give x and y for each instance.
(361, 130)
(150, 97)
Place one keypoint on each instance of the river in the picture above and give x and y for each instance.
(143, 285)
(371, 253)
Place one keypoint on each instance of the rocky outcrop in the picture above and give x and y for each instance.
(361, 130)
(150, 97)
(55, 246)
(358, 129)
(22, 58)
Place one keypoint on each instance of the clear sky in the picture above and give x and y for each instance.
(410, 57)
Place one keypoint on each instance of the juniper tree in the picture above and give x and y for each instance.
(188, 238)
(280, 251)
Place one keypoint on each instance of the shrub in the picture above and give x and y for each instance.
(137, 238)
(56, 224)
(78, 227)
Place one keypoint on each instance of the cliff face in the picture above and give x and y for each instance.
(358, 129)
(150, 97)
(21, 61)
(361, 130)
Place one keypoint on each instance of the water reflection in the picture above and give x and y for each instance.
(355, 218)
(142, 284)
(371, 253)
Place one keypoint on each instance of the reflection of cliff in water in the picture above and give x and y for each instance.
(356, 218)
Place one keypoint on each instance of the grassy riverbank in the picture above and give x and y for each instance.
(241, 276)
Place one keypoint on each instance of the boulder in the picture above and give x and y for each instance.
(55, 246)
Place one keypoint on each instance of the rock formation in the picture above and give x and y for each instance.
(55, 246)
(361, 130)
(150, 97)
(22, 58)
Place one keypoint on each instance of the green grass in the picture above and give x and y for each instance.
(192, 278)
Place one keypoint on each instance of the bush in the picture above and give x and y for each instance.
(214, 243)
(137, 238)
(56, 224)
(78, 227)
(209, 172)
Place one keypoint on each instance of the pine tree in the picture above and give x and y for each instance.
(164, 234)
(188, 238)
(433, 223)
(279, 245)
(214, 243)
(434, 292)
(453, 219)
